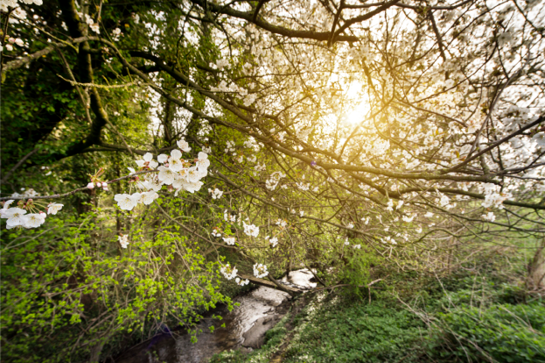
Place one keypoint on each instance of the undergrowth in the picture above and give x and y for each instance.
(457, 319)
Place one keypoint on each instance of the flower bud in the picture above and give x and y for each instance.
(90, 185)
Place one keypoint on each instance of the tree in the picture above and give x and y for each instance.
(346, 131)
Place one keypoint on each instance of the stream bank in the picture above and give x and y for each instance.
(259, 310)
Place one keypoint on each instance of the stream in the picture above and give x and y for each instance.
(245, 327)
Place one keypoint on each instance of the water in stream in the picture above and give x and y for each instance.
(244, 327)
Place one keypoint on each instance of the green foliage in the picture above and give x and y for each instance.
(72, 280)
(345, 331)
(357, 271)
(502, 333)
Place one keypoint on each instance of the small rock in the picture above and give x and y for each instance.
(255, 336)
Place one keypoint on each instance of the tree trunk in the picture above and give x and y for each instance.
(95, 351)
(536, 269)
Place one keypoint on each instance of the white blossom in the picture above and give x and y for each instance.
(252, 158)
(183, 145)
(250, 229)
(302, 186)
(216, 193)
(126, 201)
(274, 179)
(228, 217)
(14, 217)
(33, 220)
(147, 161)
(202, 161)
(230, 240)
(260, 270)
(166, 175)
(242, 282)
(148, 197)
(230, 147)
(390, 205)
(282, 223)
(229, 272)
(5, 208)
(388, 239)
(116, 33)
(162, 158)
(495, 200)
(53, 208)
(123, 241)
(490, 216)
(216, 232)
(193, 187)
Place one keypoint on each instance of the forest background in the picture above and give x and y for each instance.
(155, 154)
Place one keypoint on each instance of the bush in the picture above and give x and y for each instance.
(77, 284)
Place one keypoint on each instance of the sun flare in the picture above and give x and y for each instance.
(360, 100)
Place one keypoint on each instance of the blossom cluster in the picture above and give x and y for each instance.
(251, 230)
(260, 270)
(387, 240)
(273, 241)
(89, 21)
(229, 217)
(229, 272)
(242, 282)
(176, 172)
(18, 217)
(274, 179)
(215, 193)
(230, 240)
(17, 41)
(234, 88)
(493, 197)
(490, 216)
(6, 4)
(123, 241)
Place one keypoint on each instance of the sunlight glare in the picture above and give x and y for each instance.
(358, 98)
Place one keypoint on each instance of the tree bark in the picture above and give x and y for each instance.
(536, 269)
